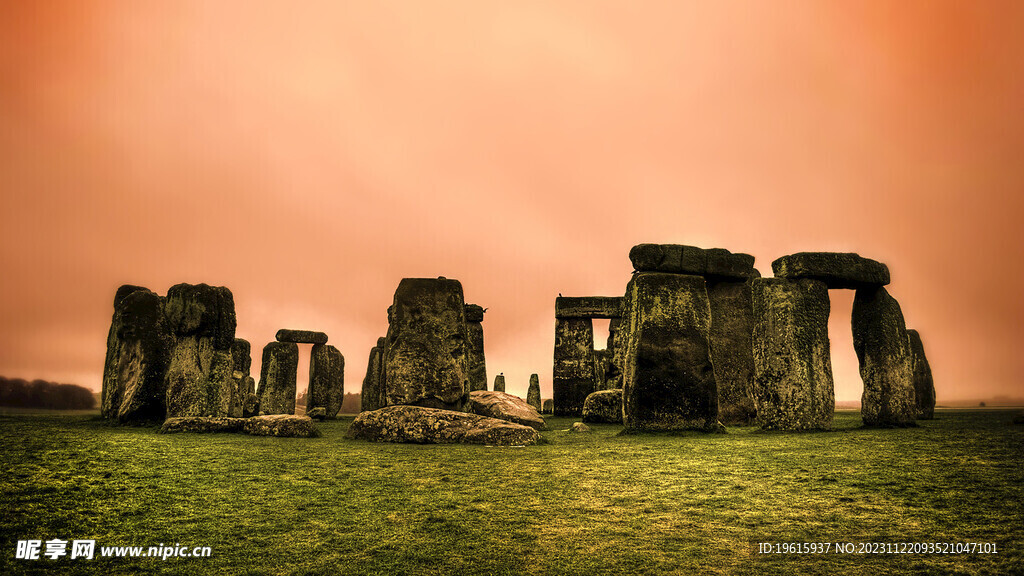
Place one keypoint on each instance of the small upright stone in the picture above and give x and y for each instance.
(835, 269)
(326, 380)
(548, 406)
(883, 350)
(372, 395)
(499, 383)
(476, 363)
(301, 336)
(604, 406)
(924, 386)
(533, 394)
(277, 378)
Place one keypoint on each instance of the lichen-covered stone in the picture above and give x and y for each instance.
(883, 350)
(579, 427)
(112, 391)
(301, 336)
(420, 425)
(475, 361)
(474, 313)
(732, 349)
(793, 387)
(284, 425)
(603, 406)
(548, 406)
(145, 344)
(533, 392)
(716, 263)
(924, 386)
(326, 379)
(203, 311)
(602, 368)
(251, 405)
(573, 375)
(835, 269)
(277, 378)
(241, 354)
(202, 424)
(499, 383)
(669, 380)
(318, 413)
(425, 359)
(587, 306)
(505, 407)
(372, 395)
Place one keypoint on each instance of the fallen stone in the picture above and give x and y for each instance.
(499, 383)
(301, 336)
(317, 413)
(505, 407)
(548, 406)
(419, 425)
(716, 263)
(835, 269)
(883, 350)
(284, 425)
(573, 375)
(277, 378)
(924, 386)
(587, 306)
(202, 424)
(732, 349)
(578, 427)
(533, 393)
(326, 379)
(603, 406)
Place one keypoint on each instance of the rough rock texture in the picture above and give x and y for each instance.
(202, 424)
(548, 406)
(883, 350)
(603, 406)
(715, 263)
(301, 336)
(587, 306)
(199, 379)
(419, 425)
(835, 269)
(579, 427)
(277, 378)
(793, 387)
(241, 355)
(112, 391)
(924, 386)
(732, 349)
(573, 376)
(326, 379)
(602, 368)
(372, 395)
(618, 338)
(281, 425)
(669, 379)
(533, 393)
(499, 383)
(145, 344)
(251, 405)
(319, 413)
(476, 363)
(425, 359)
(505, 407)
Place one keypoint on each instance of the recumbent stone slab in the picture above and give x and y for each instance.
(420, 425)
(301, 336)
(835, 269)
(679, 259)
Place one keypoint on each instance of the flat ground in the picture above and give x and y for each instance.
(580, 504)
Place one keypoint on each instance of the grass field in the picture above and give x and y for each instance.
(580, 504)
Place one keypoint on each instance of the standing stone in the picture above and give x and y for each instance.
(573, 378)
(111, 393)
(533, 394)
(277, 378)
(199, 378)
(425, 360)
(602, 367)
(883, 350)
(924, 387)
(326, 380)
(145, 347)
(475, 360)
(669, 379)
(242, 357)
(732, 349)
(548, 406)
(793, 387)
(499, 383)
(372, 396)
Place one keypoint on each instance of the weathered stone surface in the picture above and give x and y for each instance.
(883, 350)
(202, 424)
(669, 379)
(301, 336)
(251, 405)
(548, 406)
(145, 344)
(602, 368)
(285, 425)
(533, 392)
(326, 379)
(603, 406)
(372, 395)
(573, 376)
(924, 386)
(835, 269)
(112, 390)
(319, 413)
(499, 382)
(474, 313)
(587, 306)
(505, 407)
(277, 378)
(241, 354)
(578, 427)
(202, 311)
(425, 359)
(476, 363)
(732, 349)
(793, 387)
(715, 263)
(419, 425)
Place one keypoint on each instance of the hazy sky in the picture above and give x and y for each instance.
(310, 155)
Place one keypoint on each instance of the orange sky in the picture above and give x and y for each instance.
(309, 157)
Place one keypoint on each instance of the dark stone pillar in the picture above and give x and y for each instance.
(326, 380)
(880, 339)
(924, 386)
(277, 378)
(732, 349)
(573, 377)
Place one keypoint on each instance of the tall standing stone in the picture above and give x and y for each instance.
(111, 393)
(199, 380)
(732, 349)
(499, 382)
(533, 393)
(924, 386)
(669, 380)
(426, 347)
(883, 350)
(241, 356)
(326, 379)
(793, 388)
(602, 367)
(372, 395)
(277, 378)
(573, 378)
(145, 346)
(476, 363)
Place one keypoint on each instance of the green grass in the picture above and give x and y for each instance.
(581, 504)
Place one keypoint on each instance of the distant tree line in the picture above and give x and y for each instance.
(350, 404)
(20, 393)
